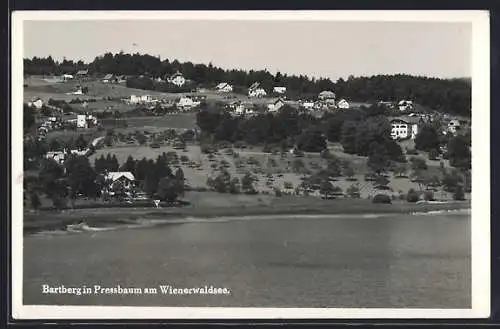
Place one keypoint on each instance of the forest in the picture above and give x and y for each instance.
(447, 95)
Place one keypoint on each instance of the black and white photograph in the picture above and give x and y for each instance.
(267, 164)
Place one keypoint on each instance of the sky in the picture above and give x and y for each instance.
(329, 49)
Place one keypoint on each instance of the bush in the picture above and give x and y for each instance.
(411, 152)
(381, 198)
(459, 194)
(433, 154)
(412, 196)
(429, 196)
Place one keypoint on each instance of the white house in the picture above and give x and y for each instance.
(146, 98)
(279, 90)
(308, 105)
(177, 79)
(81, 121)
(117, 179)
(255, 91)
(405, 105)
(326, 95)
(134, 99)
(453, 126)
(68, 77)
(343, 104)
(58, 156)
(82, 73)
(224, 87)
(187, 103)
(276, 105)
(404, 127)
(36, 103)
(108, 78)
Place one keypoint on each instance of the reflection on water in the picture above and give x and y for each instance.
(392, 261)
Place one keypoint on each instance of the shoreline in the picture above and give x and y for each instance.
(42, 221)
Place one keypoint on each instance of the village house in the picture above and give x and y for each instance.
(120, 79)
(36, 103)
(108, 78)
(239, 108)
(326, 95)
(82, 73)
(343, 104)
(255, 91)
(58, 156)
(405, 105)
(224, 87)
(67, 77)
(404, 127)
(186, 103)
(308, 105)
(85, 121)
(276, 105)
(453, 126)
(279, 90)
(140, 99)
(177, 79)
(119, 180)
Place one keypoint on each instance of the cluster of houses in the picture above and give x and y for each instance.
(184, 103)
(60, 156)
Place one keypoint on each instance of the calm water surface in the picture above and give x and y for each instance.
(401, 261)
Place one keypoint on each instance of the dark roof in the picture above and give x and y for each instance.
(406, 119)
(254, 85)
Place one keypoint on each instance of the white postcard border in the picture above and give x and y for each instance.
(480, 223)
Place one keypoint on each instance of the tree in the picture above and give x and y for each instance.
(50, 176)
(427, 139)
(418, 163)
(222, 182)
(298, 165)
(81, 143)
(433, 154)
(81, 177)
(378, 160)
(348, 136)
(326, 188)
(35, 200)
(168, 189)
(459, 194)
(412, 196)
(400, 169)
(451, 181)
(129, 165)
(348, 171)
(180, 180)
(311, 141)
(459, 153)
(28, 117)
(247, 184)
(234, 186)
(381, 182)
(353, 192)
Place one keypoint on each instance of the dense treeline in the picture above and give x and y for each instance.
(448, 95)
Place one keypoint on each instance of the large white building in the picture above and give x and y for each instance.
(404, 127)
(177, 79)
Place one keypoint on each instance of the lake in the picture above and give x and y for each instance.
(407, 261)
